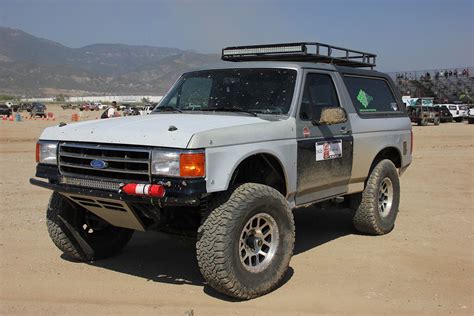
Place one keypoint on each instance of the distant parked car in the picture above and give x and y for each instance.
(24, 107)
(123, 106)
(88, 107)
(147, 109)
(444, 114)
(5, 110)
(470, 118)
(38, 109)
(100, 106)
(458, 111)
(130, 111)
(422, 115)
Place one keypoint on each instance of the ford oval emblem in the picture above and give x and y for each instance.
(99, 164)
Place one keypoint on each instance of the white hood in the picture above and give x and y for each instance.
(149, 130)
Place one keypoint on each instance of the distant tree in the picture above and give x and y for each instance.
(4, 97)
(145, 100)
(61, 97)
(466, 97)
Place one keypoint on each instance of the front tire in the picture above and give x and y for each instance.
(378, 208)
(245, 244)
(81, 235)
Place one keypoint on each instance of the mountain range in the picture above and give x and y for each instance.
(32, 66)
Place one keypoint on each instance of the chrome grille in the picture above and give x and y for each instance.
(123, 162)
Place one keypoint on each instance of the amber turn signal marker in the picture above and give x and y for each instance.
(37, 152)
(192, 165)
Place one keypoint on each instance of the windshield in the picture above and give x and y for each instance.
(255, 90)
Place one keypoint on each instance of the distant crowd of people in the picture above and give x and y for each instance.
(437, 75)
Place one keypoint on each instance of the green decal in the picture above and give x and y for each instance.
(364, 98)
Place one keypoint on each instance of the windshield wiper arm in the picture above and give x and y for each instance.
(165, 108)
(232, 109)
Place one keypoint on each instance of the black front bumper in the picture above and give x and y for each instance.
(179, 192)
(161, 202)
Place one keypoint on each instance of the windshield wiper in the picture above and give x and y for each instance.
(165, 108)
(232, 109)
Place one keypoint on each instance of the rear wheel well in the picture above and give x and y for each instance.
(390, 153)
(261, 168)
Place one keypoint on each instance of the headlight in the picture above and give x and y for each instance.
(175, 163)
(46, 152)
(165, 163)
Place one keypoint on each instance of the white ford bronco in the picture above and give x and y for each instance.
(228, 154)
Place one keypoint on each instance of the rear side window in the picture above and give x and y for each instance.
(452, 107)
(371, 95)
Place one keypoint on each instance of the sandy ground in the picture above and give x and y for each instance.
(425, 266)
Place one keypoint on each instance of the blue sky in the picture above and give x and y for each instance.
(406, 34)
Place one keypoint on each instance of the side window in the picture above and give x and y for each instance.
(371, 95)
(318, 93)
(195, 93)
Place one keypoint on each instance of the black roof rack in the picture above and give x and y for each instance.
(304, 51)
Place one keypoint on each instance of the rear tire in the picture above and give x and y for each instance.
(245, 244)
(423, 122)
(81, 235)
(378, 208)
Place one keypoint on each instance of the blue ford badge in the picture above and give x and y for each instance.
(99, 164)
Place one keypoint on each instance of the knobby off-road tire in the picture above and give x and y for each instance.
(378, 208)
(79, 234)
(237, 227)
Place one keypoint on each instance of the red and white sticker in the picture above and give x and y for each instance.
(328, 150)
(306, 132)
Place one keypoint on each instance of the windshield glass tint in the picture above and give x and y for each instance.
(257, 90)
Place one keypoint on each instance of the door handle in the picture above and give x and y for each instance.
(344, 130)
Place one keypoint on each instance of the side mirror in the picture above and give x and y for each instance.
(332, 115)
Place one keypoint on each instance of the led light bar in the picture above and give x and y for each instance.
(263, 50)
(300, 52)
(89, 183)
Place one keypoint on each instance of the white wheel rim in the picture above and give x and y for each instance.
(385, 197)
(258, 242)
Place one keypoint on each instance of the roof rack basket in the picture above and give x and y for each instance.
(304, 51)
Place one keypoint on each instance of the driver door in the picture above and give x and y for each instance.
(324, 162)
